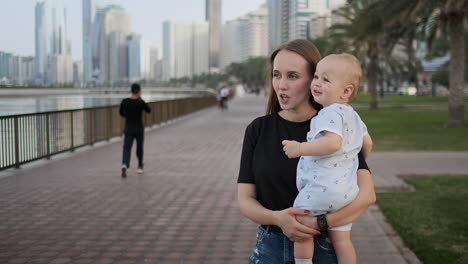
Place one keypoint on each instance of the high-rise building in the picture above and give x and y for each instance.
(245, 37)
(213, 16)
(95, 31)
(278, 22)
(256, 30)
(139, 58)
(200, 61)
(89, 11)
(300, 14)
(4, 65)
(111, 19)
(14, 68)
(185, 48)
(291, 19)
(19, 70)
(51, 35)
(27, 71)
(155, 65)
(78, 73)
(323, 17)
(118, 57)
(318, 25)
(231, 43)
(60, 70)
(335, 4)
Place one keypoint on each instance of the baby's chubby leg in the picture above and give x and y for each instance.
(304, 251)
(343, 246)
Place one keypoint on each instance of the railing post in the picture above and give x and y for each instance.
(109, 127)
(91, 127)
(48, 136)
(72, 147)
(17, 161)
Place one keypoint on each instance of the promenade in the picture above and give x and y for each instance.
(76, 208)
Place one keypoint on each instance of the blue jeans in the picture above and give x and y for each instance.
(276, 248)
(130, 135)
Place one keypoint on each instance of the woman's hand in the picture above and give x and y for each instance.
(285, 219)
(310, 221)
(293, 229)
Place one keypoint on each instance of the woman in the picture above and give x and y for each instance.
(267, 178)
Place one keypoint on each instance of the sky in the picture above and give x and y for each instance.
(146, 17)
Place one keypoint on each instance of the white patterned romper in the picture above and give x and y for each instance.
(327, 183)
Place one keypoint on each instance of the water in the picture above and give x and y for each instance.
(23, 101)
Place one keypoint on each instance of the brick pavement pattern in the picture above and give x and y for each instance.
(183, 209)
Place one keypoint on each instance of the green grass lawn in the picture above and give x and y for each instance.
(395, 99)
(432, 220)
(412, 123)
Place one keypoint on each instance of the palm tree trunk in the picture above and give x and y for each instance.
(457, 69)
(372, 72)
(412, 71)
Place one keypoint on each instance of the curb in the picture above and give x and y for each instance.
(405, 252)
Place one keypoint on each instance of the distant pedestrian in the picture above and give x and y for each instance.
(132, 110)
(223, 97)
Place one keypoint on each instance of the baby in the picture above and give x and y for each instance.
(326, 172)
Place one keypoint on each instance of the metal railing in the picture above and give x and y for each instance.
(29, 137)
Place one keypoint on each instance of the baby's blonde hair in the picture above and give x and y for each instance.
(353, 69)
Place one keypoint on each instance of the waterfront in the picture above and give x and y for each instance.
(25, 101)
(28, 137)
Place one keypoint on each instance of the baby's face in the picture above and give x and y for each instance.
(329, 81)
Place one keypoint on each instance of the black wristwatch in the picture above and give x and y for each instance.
(322, 223)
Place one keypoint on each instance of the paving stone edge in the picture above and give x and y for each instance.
(406, 253)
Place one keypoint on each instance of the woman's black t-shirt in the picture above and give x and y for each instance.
(264, 163)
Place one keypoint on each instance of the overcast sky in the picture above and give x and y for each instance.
(146, 17)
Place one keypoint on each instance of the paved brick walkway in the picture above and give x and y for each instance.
(386, 166)
(183, 209)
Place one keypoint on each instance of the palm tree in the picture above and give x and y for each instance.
(431, 15)
(362, 35)
(455, 11)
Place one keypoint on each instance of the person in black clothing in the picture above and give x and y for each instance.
(267, 177)
(132, 110)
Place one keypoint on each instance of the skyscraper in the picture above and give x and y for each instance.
(112, 19)
(291, 19)
(185, 48)
(51, 35)
(155, 65)
(213, 16)
(139, 64)
(278, 22)
(95, 37)
(246, 36)
(88, 20)
(4, 65)
(300, 15)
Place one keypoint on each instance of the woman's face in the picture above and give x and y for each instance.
(291, 80)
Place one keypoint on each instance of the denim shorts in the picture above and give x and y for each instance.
(276, 248)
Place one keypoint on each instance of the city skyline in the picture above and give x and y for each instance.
(18, 37)
(114, 52)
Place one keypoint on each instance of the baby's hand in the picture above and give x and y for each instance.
(292, 148)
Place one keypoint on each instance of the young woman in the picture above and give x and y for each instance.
(267, 177)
